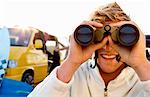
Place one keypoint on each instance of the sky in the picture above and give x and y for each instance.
(61, 17)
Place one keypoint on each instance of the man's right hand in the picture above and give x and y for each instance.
(78, 55)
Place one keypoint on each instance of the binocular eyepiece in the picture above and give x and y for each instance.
(125, 35)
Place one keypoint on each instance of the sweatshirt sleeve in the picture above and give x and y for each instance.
(52, 87)
(146, 85)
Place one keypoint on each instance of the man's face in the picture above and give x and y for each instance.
(107, 56)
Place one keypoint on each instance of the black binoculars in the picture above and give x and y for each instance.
(125, 35)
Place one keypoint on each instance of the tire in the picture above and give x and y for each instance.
(28, 78)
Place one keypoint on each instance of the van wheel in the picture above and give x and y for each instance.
(28, 78)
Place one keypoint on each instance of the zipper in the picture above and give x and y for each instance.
(105, 92)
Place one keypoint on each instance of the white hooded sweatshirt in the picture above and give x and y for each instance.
(87, 82)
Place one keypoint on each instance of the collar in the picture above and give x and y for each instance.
(126, 75)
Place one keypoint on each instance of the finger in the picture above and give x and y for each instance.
(112, 44)
(72, 40)
(142, 39)
(111, 41)
(101, 44)
(140, 46)
(93, 23)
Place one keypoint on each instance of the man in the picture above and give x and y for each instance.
(127, 76)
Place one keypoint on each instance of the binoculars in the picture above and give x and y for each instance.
(125, 35)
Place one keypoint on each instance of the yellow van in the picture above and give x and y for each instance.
(28, 62)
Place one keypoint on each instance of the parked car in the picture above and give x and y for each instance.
(9, 87)
(28, 60)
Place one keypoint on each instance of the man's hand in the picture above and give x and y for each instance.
(135, 56)
(78, 55)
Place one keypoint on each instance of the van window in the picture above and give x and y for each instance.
(51, 43)
(19, 37)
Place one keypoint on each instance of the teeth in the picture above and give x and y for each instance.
(109, 56)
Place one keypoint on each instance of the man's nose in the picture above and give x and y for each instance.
(107, 47)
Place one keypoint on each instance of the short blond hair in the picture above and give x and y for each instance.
(109, 13)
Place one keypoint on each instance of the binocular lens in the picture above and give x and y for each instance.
(84, 35)
(128, 35)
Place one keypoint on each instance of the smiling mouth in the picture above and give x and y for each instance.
(108, 57)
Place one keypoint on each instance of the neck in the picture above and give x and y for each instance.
(107, 77)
